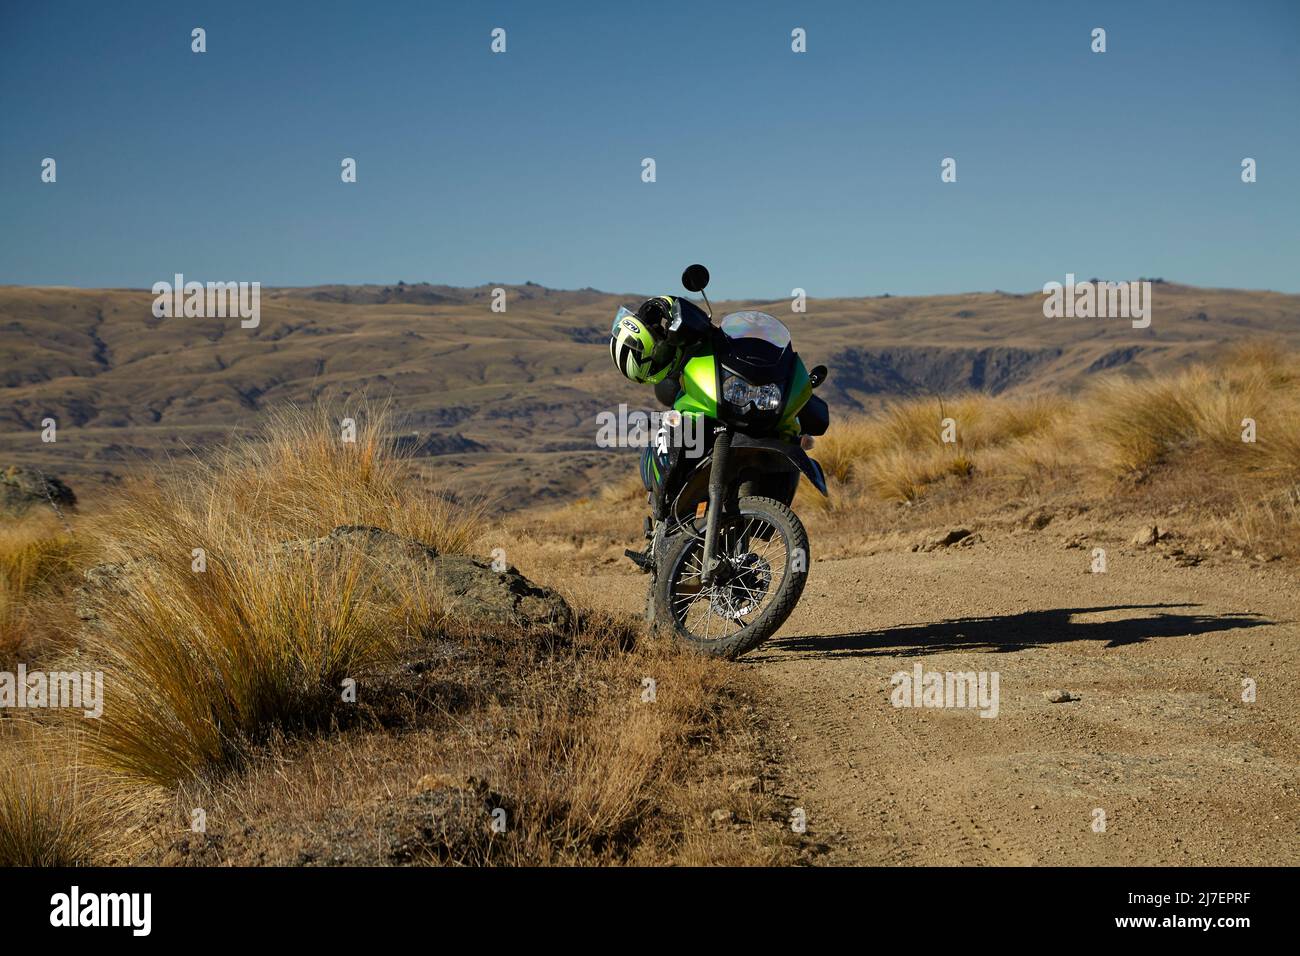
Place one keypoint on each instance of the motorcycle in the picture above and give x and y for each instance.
(726, 552)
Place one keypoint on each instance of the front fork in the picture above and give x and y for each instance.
(717, 502)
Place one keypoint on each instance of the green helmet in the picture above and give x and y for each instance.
(634, 345)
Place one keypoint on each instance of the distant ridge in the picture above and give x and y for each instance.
(500, 388)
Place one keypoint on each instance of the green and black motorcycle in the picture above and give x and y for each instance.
(728, 558)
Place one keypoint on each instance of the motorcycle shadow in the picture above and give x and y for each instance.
(1011, 632)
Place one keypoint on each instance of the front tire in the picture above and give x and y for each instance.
(766, 548)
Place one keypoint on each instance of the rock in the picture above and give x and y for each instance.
(469, 590)
(969, 540)
(1146, 536)
(473, 590)
(1038, 519)
(943, 540)
(105, 582)
(1076, 541)
(1061, 696)
(21, 489)
(374, 542)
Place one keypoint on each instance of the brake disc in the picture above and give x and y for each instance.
(744, 589)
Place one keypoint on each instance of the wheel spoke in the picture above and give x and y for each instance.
(755, 553)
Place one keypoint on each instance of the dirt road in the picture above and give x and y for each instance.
(1158, 761)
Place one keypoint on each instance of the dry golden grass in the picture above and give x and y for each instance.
(1137, 425)
(202, 665)
(222, 687)
(589, 771)
(905, 448)
(1175, 440)
(1145, 445)
(599, 775)
(300, 479)
(200, 668)
(213, 676)
(1118, 426)
(38, 559)
(47, 815)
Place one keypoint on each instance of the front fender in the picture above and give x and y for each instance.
(758, 447)
(773, 455)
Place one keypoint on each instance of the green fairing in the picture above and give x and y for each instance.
(699, 387)
(699, 393)
(800, 392)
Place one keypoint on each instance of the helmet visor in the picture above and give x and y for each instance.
(623, 313)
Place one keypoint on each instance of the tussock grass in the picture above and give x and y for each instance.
(1138, 425)
(200, 668)
(1117, 427)
(588, 771)
(220, 683)
(47, 815)
(38, 559)
(901, 451)
(1180, 433)
(594, 770)
(202, 665)
(298, 478)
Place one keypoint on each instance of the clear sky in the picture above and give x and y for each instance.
(819, 170)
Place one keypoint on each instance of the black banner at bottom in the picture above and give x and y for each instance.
(1225, 905)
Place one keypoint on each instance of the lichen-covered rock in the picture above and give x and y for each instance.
(106, 582)
(478, 593)
(471, 591)
(22, 489)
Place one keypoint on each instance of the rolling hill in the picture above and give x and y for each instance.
(505, 404)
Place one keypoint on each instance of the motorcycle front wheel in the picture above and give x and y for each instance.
(763, 552)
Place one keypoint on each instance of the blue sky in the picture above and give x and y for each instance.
(818, 170)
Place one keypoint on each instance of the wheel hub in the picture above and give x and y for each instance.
(740, 588)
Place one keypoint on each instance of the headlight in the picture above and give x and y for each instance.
(764, 398)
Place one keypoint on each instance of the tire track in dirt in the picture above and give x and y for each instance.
(1155, 649)
(1160, 741)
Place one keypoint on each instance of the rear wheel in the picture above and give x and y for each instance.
(763, 552)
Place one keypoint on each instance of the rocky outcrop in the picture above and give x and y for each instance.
(913, 370)
(416, 445)
(470, 590)
(22, 489)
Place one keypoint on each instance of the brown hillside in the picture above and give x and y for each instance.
(512, 398)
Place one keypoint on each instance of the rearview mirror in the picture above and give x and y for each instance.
(818, 375)
(695, 278)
